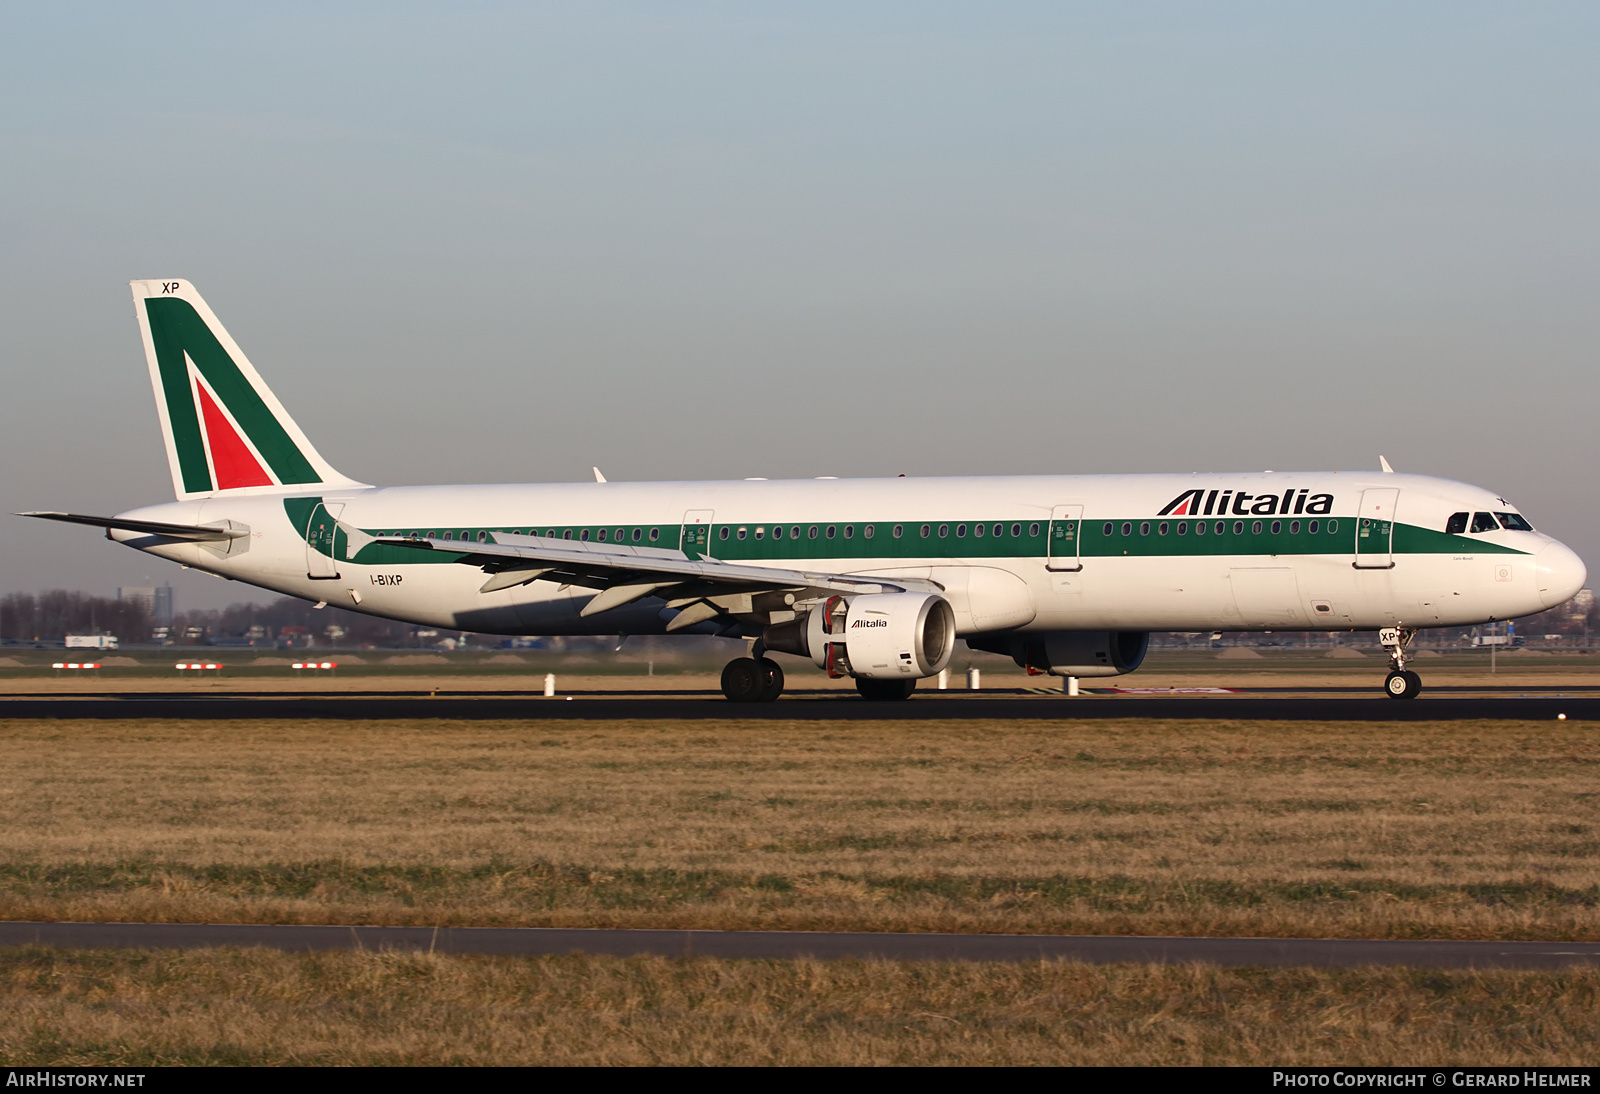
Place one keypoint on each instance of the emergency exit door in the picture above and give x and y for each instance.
(694, 538)
(1066, 530)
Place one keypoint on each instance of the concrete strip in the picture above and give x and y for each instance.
(842, 708)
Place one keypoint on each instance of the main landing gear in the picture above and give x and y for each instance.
(752, 680)
(1401, 683)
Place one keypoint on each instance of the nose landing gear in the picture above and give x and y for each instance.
(1401, 683)
(752, 680)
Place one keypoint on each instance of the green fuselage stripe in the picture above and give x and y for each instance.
(847, 541)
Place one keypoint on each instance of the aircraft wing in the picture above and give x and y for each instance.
(703, 588)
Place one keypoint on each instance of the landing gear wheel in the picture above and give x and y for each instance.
(743, 681)
(1402, 684)
(885, 690)
(772, 677)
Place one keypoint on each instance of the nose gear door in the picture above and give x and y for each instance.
(1375, 529)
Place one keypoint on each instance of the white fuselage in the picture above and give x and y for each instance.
(1254, 552)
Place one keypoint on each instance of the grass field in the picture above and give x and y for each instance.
(1469, 830)
(263, 1007)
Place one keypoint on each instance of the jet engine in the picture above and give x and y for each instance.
(877, 636)
(1070, 653)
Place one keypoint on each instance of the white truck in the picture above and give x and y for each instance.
(91, 641)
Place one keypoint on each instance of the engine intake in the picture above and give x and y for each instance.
(878, 636)
(1070, 653)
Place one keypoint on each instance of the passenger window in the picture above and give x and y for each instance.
(849, 530)
(1333, 526)
(655, 534)
(1183, 527)
(1255, 528)
(794, 531)
(1222, 526)
(925, 530)
(1199, 527)
(1294, 528)
(743, 532)
(812, 534)
(1456, 524)
(1312, 527)
(1515, 521)
(961, 531)
(602, 536)
(777, 531)
(869, 531)
(621, 534)
(1163, 528)
(1033, 529)
(584, 535)
(1106, 531)
(1000, 529)
(944, 530)
(977, 530)
(1127, 528)
(1144, 528)
(1016, 531)
(1238, 527)
(722, 533)
(899, 530)
(830, 531)
(449, 534)
(566, 533)
(1277, 527)
(637, 532)
(1483, 522)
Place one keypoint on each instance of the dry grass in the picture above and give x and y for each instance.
(1396, 830)
(264, 1007)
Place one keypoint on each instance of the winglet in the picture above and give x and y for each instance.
(1384, 463)
(597, 476)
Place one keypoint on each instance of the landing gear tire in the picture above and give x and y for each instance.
(877, 691)
(772, 674)
(743, 681)
(746, 680)
(1402, 684)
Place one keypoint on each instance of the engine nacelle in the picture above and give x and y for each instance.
(1070, 653)
(879, 636)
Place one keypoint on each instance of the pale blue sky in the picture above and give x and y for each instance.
(483, 242)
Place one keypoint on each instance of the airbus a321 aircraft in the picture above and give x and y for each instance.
(873, 579)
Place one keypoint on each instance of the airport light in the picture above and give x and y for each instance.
(315, 665)
(76, 665)
(199, 665)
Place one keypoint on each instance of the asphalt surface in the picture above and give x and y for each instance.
(533, 941)
(925, 707)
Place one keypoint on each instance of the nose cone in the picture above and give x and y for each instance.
(1559, 573)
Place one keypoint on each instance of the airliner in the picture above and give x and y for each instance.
(871, 579)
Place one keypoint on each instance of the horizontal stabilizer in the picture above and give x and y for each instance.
(193, 532)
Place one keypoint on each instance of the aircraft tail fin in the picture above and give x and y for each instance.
(225, 431)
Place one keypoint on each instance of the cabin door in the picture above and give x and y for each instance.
(1375, 529)
(1066, 529)
(694, 538)
(323, 538)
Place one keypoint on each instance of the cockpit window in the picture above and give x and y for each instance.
(1515, 521)
(1457, 524)
(1484, 522)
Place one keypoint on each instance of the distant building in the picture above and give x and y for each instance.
(156, 600)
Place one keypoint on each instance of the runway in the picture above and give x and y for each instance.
(827, 707)
(784, 945)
